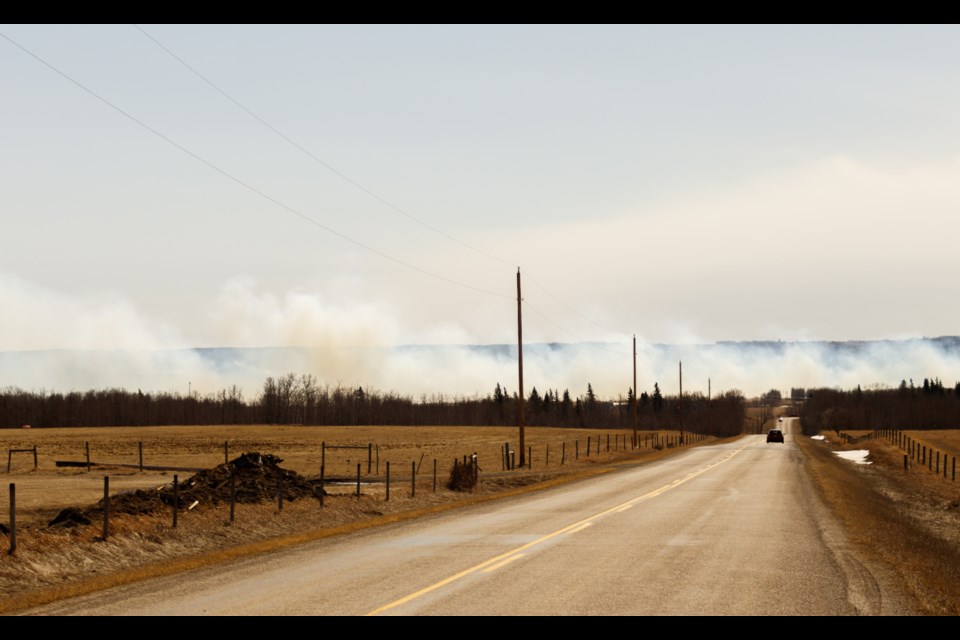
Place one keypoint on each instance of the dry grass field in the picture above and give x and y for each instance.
(908, 520)
(53, 562)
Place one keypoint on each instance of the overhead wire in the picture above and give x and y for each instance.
(311, 155)
(368, 191)
(244, 184)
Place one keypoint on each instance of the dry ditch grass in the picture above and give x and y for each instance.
(908, 520)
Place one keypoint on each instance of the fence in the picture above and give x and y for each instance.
(916, 452)
(508, 459)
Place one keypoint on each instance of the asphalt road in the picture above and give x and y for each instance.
(732, 529)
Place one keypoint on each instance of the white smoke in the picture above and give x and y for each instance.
(56, 341)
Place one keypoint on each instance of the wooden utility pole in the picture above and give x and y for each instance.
(709, 410)
(681, 403)
(634, 389)
(520, 363)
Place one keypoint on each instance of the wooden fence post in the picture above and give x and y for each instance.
(233, 495)
(35, 457)
(563, 453)
(546, 459)
(87, 447)
(529, 457)
(369, 457)
(176, 499)
(358, 481)
(905, 467)
(140, 452)
(13, 518)
(589, 446)
(413, 479)
(322, 490)
(226, 453)
(388, 482)
(577, 447)
(434, 475)
(106, 506)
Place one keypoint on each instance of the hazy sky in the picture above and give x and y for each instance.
(380, 185)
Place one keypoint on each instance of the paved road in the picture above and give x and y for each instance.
(731, 529)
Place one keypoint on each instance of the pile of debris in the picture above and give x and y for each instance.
(252, 478)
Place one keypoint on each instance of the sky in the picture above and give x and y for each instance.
(369, 186)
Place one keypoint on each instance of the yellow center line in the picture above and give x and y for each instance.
(581, 527)
(504, 558)
(504, 562)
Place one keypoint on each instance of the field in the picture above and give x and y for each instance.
(52, 562)
(909, 520)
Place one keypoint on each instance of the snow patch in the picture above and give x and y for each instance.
(859, 456)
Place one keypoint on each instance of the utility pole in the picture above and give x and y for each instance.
(709, 410)
(635, 390)
(520, 363)
(681, 403)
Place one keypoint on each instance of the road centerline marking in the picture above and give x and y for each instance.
(505, 558)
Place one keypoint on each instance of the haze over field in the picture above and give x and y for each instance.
(353, 190)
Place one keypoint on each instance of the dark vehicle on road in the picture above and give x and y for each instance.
(775, 435)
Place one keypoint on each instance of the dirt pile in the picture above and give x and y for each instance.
(252, 478)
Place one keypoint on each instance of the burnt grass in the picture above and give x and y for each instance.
(252, 478)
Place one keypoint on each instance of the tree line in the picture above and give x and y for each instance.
(302, 399)
(929, 405)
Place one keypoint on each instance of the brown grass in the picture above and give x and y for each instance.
(53, 563)
(908, 520)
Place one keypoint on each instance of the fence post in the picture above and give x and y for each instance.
(106, 506)
(529, 457)
(577, 447)
(226, 453)
(434, 475)
(369, 457)
(35, 457)
(413, 479)
(563, 453)
(322, 490)
(87, 447)
(378, 461)
(938, 463)
(388, 482)
(323, 454)
(589, 446)
(358, 481)
(608, 443)
(176, 499)
(598, 445)
(233, 495)
(13, 518)
(140, 451)
(905, 462)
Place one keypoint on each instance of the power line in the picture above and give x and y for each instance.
(337, 172)
(356, 184)
(244, 184)
(592, 344)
